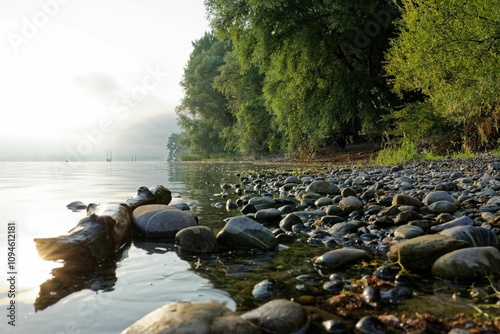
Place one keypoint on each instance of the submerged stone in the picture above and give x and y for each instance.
(338, 258)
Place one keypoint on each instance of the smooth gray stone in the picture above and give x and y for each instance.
(161, 221)
(196, 239)
(244, 232)
(468, 264)
(184, 317)
(279, 316)
(420, 253)
(338, 258)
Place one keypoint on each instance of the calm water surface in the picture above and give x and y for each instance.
(52, 298)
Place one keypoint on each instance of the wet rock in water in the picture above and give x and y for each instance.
(243, 232)
(289, 220)
(184, 317)
(76, 206)
(408, 232)
(181, 206)
(155, 195)
(370, 325)
(403, 199)
(218, 205)
(387, 273)
(161, 221)
(442, 207)
(231, 205)
(334, 286)
(338, 258)
(475, 236)
(162, 195)
(333, 326)
(397, 294)
(196, 239)
(468, 264)
(323, 187)
(263, 289)
(404, 279)
(371, 296)
(437, 196)
(279, 316)
(306, 278)
(420, 253)
(462, 221)
(350, 204)
(268, 215)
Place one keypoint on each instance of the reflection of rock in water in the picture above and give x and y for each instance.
(93, 247)
(77, 276)
(155, 245)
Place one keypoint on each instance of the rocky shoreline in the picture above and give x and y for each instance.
(429, 220)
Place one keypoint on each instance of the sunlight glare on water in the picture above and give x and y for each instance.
(52, 297)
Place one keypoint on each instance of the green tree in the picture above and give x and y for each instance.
(203, 113)
(322, 62)
(253, 132)
(173, 146)
(449, 51)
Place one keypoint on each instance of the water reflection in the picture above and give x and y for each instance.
(55, 295)
(75, 276)
(154, 246)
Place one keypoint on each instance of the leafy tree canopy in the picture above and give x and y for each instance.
(321, 61)
(203, 112)
(449, 50)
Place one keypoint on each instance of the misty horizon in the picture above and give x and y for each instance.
(76, 88)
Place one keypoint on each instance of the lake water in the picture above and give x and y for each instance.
(51, 298)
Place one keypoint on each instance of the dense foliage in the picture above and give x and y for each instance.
(449, 51)
(203, 112)
(292, 76)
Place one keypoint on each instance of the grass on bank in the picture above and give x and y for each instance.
(407, 151)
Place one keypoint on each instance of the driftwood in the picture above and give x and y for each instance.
(105, 230)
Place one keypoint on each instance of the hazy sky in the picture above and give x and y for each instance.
(79, 78)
